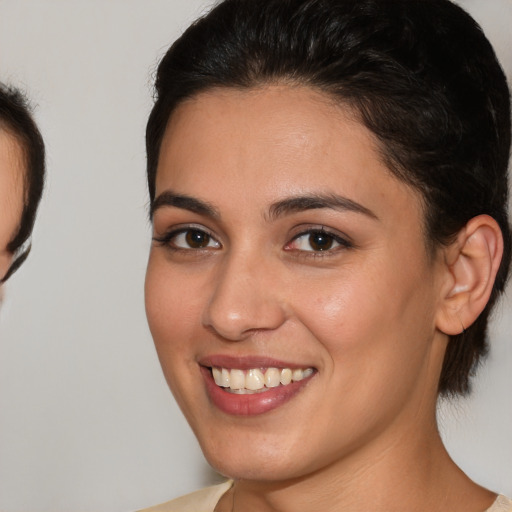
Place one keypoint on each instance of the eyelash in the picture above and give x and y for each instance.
(166, 240)
(343, 243)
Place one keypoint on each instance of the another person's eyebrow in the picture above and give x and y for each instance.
(316, 201)
(170, 198)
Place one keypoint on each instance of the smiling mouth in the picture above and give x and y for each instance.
(257, 380)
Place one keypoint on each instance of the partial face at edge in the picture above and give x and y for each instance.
(11, 194)
(283, 241)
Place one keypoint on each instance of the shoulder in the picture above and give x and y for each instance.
(203, 500)
(502, 504)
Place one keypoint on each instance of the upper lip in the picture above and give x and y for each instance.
(247, 362)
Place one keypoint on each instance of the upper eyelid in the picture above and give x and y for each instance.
(166, 237)
(180, 228)
(308, 229)
(343, 241)
(166, 225)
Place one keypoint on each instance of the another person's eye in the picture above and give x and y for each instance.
(188, 239)
(317, 241)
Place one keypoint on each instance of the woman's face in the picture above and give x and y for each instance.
(11, 194)
(284, 248)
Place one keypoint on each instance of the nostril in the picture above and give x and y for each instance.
(244, 298)
(243, 322)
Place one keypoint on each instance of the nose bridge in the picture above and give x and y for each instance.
(245, 297)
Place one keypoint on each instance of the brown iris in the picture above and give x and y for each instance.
(320, 241)
(197, 239)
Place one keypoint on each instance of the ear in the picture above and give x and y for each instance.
(472, 262)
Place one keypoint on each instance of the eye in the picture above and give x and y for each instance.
(317, 241)
(194, 239)
(188, 239)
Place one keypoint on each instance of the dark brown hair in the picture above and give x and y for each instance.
(15, 118)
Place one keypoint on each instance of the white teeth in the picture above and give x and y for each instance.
(297, 375)
(217, 376)
(254, 380)
(286, 376)
(307, 373)
(225, 378)
(237, 379)
(272, 378)
(257, 379)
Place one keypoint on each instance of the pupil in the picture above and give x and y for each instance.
(197, 239)
(320, 241)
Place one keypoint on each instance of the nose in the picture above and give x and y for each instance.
(245, 299)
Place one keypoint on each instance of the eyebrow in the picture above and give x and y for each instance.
(172, 199)
(317, 201)
(278, 209)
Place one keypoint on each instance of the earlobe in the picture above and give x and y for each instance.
(472, 262)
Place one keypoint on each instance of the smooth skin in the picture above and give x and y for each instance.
(11, 194)
(371, 312)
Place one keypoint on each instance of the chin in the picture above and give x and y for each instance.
(256, 459)
(255, 470)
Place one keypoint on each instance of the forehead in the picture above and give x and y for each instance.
(274, 127)
(11, 157)
(274, 139)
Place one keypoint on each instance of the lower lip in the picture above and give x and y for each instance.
(252, 404)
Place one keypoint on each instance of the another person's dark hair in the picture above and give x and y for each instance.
(16, 119)
(420, 75)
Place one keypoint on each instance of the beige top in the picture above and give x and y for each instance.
(205, 500)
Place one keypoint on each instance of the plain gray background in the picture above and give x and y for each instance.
(86, 420)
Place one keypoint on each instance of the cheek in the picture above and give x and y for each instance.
(171, 307)
(173, 316)
(5, 262)
(375, 361)
(340, 307)
(11, 206)
(372, 322)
